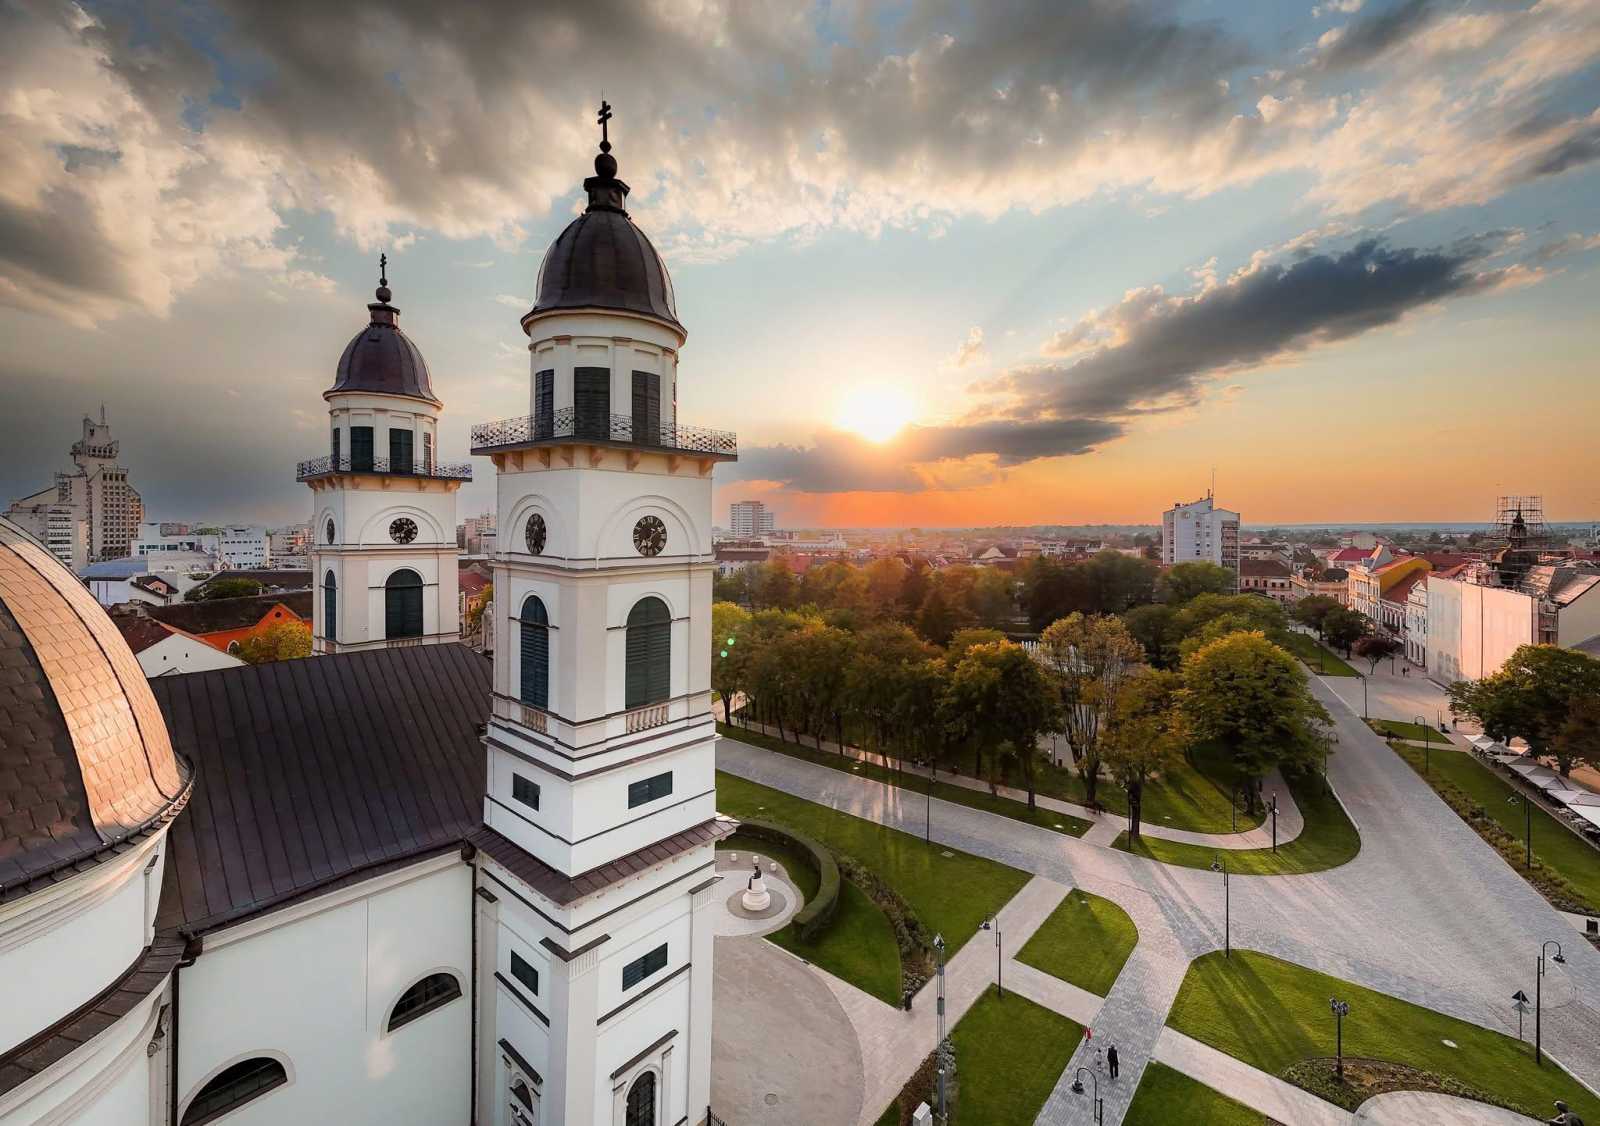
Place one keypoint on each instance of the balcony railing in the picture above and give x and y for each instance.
(643, 719)
(570, 424)
(515, 711)
(326, 466)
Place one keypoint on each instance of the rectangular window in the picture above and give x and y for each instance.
(427, 453)
(361, 449)
(646, 408)
(591, 403)
(336, 447)
(544, 403)
(525, 973)
(640, 968)
(400, 452)
(525, 790)
(649, 789)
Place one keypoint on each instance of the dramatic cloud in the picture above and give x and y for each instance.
(1153, 352)
(970, 350)
(133, 163)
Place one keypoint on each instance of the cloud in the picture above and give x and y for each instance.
(1369, 39)
(971, 349)
(1336, 7)
(1154, 352)
(511, 300)
(1567, 244)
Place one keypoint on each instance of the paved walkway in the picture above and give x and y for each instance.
(1106, 826)
(1422, 1108)
(1427, 911)
(1280, 1101)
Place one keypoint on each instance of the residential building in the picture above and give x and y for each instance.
(1395, 602)
(113, 581)
(383, 508)
(748, 519)
(243, 546)
(473, 530)
(1370, 580)
(476, 589)
(1416, 621)
(91, 513)
(164, 650)
(732, 558)
(225, 623)
(1200, 532)
(1473, 628)
(289, 543)
(1270, 577)
(1328, 582)
(1272, 552)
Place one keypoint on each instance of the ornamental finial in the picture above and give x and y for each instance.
(605, 116)
(383, 293)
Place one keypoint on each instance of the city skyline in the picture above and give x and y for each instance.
(1011, 279)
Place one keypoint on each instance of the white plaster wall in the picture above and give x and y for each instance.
(318, 990)
(70, 942)
(106, 1082)
(1473, 629)
(1579, 620)
(179, 654)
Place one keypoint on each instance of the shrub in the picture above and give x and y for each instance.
(812, 919)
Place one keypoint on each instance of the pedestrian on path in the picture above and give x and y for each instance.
(1111, 1060)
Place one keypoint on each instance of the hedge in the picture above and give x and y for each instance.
(811, 919)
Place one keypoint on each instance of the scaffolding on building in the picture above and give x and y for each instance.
(1520, 525)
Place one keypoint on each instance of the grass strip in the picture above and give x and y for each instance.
(1167, 1096)
(1274, 1016)
(1327, 841)
(1084, 942)
(1009, 1054)
(1317, 657)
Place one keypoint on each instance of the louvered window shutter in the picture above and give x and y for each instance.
(649, 653)
(591, 400)
(544, 404)
(535, 654)
(361, 449)
(400, 460)
(646, 408)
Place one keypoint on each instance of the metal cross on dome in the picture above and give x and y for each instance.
(383, 269)
(605, 116)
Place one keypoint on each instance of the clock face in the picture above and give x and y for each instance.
(649, 535)
(330, 531)
(403, 530)
(535, 534)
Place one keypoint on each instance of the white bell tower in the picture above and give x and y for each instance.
(383, 529)
(597, 860)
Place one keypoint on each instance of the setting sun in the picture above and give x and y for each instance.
(877, 413)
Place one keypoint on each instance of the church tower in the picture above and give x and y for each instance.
(597, 856)
(383, 528)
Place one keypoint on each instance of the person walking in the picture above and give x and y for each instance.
(1111, 1060)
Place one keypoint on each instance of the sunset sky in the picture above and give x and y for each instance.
(941, 264)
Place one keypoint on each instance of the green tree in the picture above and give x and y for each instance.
(1052, 589)
(1190, 580)
(913, 590)
(886, 580)
(1531, 697)
(1088, 659)
(938, 619)
(1313, 610)
(1156, 628)
(730, 623)
(281, 641)
(1002, 701)
(773, 587)
(1577, 743)
(991, 598)
(964, 639)
(876, 680)
(1207, 617)
(1374, 647)
(1342, 628)
(1116, 582)
(1251, 698)
(733, 587)
(224, 588)
(1147, 736)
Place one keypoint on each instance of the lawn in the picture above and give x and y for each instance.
(1009, 1055)
(944, 791)
(1554, 844)
(1166, 1096)
(1318, 657)
(951, 894)
(1273, 1014)
(1327, 841)
(1085, 941)
(1197, 797)
(1417, 732)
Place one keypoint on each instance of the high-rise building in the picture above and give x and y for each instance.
(748, 519)
(601, 739)
(90, 514)
(1200, 532)
(383, 554)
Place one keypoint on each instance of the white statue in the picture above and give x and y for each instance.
(756, 896)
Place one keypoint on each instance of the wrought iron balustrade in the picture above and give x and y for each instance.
(325, 466)
(571, 424)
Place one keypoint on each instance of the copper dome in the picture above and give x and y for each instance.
(85, 762)
(382, 360)
(603, 261)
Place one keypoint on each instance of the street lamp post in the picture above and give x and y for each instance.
(927, 809)
(1364, 708)
(993, 923)
(1527, 827)
(1341, 1009)
(1077, 1089)
(938, 946)
(1538, 999)
(1274, 812)
(1220, 865)
(1427, 741)
(1233, 800)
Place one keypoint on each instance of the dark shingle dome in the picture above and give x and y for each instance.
(381, 359)
(602, 260)
(85, 761)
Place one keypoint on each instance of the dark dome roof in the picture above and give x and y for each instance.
(85, 761)
(381, 359)
(602, 260)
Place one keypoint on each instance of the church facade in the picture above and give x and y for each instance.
(395, 882)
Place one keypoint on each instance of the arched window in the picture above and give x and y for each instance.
(642, 1101)
(430, 993)
(535, 653)
(234, 1086)
(402, 605)
(330, 608)
(649, 671)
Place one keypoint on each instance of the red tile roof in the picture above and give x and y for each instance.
(1401, 590)
(1263, 569)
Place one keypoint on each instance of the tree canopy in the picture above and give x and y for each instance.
(1186, 581)
(1532, 696)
